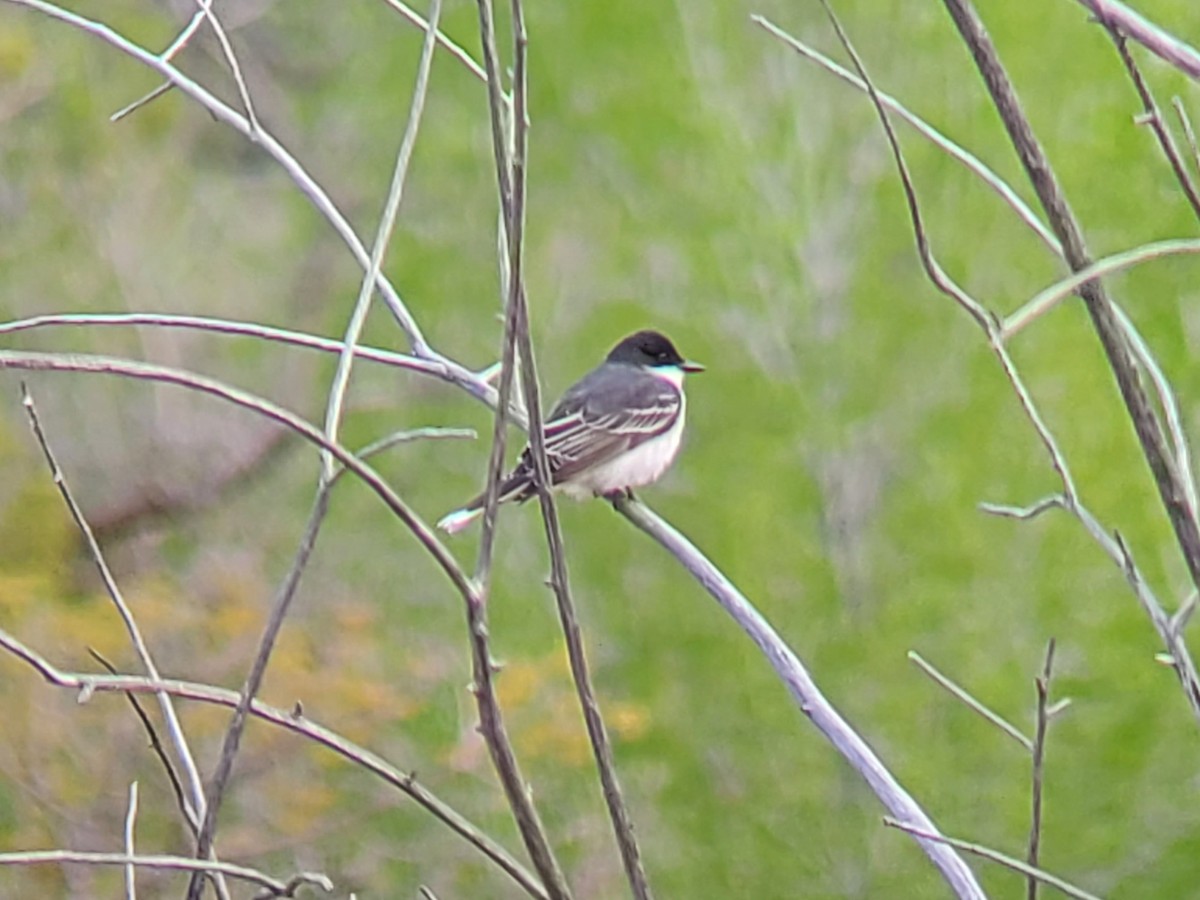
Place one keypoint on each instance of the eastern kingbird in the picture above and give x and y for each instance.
(615, 429)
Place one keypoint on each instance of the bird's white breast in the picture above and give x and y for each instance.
(642, 465)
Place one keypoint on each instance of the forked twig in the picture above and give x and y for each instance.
(1154, 118)
(195, 806)
(1175, 496)
(995, 856)
(295, 722)
(1042, 682)
(1114, 14)
(968, 700)
(806, 694)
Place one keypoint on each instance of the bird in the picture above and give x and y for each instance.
(618, 428)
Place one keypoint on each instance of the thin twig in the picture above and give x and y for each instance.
(107, 365)
(447, 44)
(995, 856)
(1051, 296)
(806, 694)
(383, 237)
(1189, 133)
(1174, 495)
(131, 812)
(176, 45)
(969, 701)
(88, 684)
(491, 720)
(973, 163)
(299, 176)
(194, 808)
(234, 67)
(1042, 683)
(178, 863)
(258, 670)
(155, 744)
(1153, 117)
(1114, 14)
(1025, 513)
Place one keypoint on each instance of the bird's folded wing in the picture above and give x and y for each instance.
(586, 437)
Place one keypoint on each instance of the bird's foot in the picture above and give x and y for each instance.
(619, 494)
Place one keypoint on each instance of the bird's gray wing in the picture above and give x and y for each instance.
(610, 411)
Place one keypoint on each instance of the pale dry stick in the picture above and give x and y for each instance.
(383, 237)
(961, 694)
(1049, 297)
(130, 821)
(88, 684)
(491, 720)
(234, 67)
(194, 809)
(448, 45)
(1168, 403)
(1152, 116)
(176, 45)
(996, 856)
(956, 151)
(107, 365)
(254, 678)
(1178, 655)
(1189, 133)
(1174, 495)
(804, 691)
(1069, 496)
(1167, 47)
(1027, 513)
(1183, 615)
(511, 159)
(156, 744)
(480, 389)
(1042, 722)
(451, 371)
(995, 183)
(179, 863)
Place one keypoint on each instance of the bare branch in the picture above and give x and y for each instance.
(155, 744)
(1051, 296)
(447, 44)
(997, 857)
(1037, 778)
(1025, 513)
(806, 694)
(1153, 117)
(491, 721)
(15, 359)
(130, 822)
(234, 67)
(954, 150)
(1174, 494)
(383, 237)
(1167, 47)
(89, 684)
(971, 703)
(243, 873)
(193, 808)
(176, 45)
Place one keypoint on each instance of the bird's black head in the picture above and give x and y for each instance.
(651, 348)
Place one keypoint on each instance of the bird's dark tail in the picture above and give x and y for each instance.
(516, 487)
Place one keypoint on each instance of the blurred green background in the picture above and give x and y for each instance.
(688, 172)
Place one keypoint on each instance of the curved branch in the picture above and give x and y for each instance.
(807, 695)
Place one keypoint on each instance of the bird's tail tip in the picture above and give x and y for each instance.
(454, 522)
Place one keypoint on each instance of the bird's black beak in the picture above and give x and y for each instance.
(688, 366)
